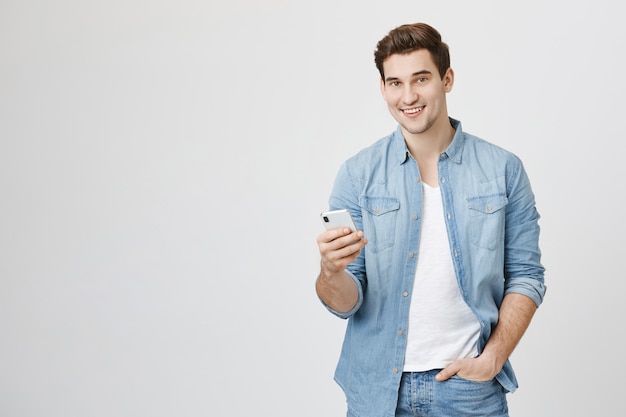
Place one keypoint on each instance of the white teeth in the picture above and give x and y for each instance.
(412, 111)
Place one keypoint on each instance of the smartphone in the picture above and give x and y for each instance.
(338, 218)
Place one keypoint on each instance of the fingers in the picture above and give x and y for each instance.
(472, 369)
(339, 247)
(332, 234)
(336, 239)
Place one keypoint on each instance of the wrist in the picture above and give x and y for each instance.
(492, 360)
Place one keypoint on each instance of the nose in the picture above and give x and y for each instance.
(409, 95)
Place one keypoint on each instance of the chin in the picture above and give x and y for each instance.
(416, 130)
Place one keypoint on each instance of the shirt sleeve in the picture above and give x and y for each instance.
(345, 195)
(524, 273)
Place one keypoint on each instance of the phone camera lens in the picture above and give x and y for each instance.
(326, 219)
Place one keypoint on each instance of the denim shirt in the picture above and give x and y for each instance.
(493, 231)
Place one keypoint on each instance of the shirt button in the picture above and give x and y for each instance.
(489, 208)
(377, 210)
(414, 217)
(411, 255)
(395, 370)
(443, 180)
(406, 293)
(400, 332)
(449, 216)
(417, 180)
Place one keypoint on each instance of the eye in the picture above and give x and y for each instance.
(422, 80)
(394, 83)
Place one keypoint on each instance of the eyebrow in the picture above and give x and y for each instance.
(421, 72)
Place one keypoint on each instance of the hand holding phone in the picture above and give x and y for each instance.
(342, 248)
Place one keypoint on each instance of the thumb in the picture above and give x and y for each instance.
(448, 372)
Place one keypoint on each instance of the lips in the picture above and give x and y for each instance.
(413, 110)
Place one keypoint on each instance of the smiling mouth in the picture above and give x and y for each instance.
(413, 110)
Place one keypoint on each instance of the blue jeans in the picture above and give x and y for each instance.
(420, 395)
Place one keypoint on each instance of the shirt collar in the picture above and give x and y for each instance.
(455, 149)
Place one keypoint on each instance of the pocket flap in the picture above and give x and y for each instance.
(487, 204)
(379, 205)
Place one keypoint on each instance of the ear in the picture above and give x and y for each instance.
(448, 80)
(382, 87)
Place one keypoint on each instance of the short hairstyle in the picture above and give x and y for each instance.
(412, 37)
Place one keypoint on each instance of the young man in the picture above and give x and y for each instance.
(444, 274)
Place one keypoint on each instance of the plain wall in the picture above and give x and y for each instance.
(163, 165)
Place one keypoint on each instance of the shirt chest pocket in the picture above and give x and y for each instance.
(486, 221)
(379, 221)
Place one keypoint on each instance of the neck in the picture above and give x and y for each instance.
(432, 142)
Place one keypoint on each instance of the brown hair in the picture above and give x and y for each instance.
(411, 37)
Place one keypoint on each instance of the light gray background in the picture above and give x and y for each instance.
(163, 165)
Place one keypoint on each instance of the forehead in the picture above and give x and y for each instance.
(403, 65)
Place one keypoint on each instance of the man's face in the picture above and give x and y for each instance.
(414, 91)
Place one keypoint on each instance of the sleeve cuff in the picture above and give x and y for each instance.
(356, 307)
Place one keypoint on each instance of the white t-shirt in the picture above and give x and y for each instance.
(442, 328)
